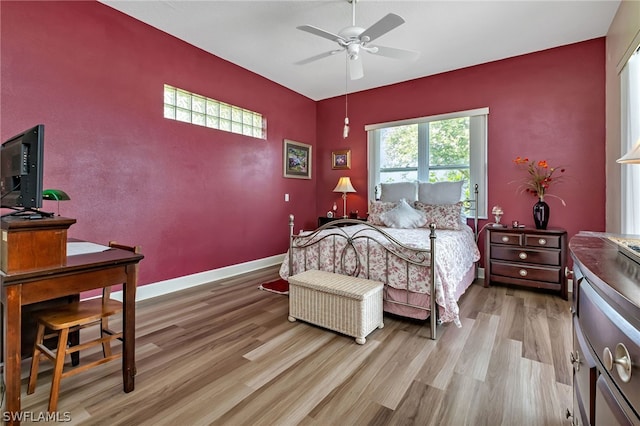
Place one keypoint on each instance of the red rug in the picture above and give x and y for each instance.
(278, 286)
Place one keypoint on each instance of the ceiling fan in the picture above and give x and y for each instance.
(355, 39)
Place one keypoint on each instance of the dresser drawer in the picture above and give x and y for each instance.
(506, 238)
(606, 330)
(543, 257)
(526, 272)
(550, 241)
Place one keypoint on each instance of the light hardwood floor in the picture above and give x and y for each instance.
(225, 354)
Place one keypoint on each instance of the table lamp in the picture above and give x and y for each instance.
(344, 186)
(633, 156)
(55, 194)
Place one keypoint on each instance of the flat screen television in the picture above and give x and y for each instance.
(21, 169)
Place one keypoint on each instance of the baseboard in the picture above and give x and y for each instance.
(161, 288)
(481, 273)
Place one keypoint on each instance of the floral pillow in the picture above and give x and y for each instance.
(403, 216)
(376, 209)
(445, 216)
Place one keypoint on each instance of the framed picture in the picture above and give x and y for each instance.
(341, 160)
(297, 160)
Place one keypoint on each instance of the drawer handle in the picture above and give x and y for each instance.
(575, 360)
(542, 241)
(522, 255)
(523, 272)
(505, 239)
(622, 361)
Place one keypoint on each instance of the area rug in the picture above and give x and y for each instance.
(278, 286)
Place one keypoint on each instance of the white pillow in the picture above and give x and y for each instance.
(394, 192)
(403, 216)
(440, 192)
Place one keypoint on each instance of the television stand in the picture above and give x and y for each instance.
(28, 212)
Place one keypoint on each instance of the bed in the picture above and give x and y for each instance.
(413, 262)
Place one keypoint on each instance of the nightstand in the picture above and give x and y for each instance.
(322, 219)
(527, 257)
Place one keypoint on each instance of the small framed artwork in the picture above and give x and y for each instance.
(297, 160)
(341, 160)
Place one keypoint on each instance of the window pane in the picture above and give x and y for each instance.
(399, 176)
(198, 104)
(197, 118)
(225, 111)
(225, 125)
(213, 108)
(236, 115)
(169, 112)
(399, 147)
(236, 127)
(183, 99)
(449, 142)
(169, 95)
(213, 122)
(183, 115)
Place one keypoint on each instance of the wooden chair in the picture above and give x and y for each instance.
(69, 319)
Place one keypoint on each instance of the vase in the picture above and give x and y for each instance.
(541, 214)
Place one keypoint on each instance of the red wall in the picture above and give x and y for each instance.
(545, 105)
(196, 199)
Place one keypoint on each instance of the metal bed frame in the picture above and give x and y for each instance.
(392, 247)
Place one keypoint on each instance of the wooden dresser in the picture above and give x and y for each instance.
(606, 333)
(527, 257)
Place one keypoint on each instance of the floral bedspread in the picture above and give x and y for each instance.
(456, 252)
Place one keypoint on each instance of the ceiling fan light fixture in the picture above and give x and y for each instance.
(353, 38)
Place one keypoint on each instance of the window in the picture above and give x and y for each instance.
(202, 111)
(630, 111)
(431, 149)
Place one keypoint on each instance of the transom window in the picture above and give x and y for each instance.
(188, 107)
(446, 147)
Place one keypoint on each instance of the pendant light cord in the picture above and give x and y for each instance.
(345, 130)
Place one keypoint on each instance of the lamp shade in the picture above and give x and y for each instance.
(344, 185)
(55, 194)
(633, 156)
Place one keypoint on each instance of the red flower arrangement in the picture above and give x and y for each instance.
(540, 178)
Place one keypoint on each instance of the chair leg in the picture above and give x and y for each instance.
(57, 369)
(74, 340)
(106, 345)
(35, 359)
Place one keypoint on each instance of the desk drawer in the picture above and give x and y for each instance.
(541, 257)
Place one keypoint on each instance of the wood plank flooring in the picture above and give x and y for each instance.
(225, 354)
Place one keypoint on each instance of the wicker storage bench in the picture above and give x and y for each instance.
(349, 305)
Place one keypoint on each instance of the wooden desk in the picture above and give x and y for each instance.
(81, 273)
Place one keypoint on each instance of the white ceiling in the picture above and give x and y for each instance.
(261, 36)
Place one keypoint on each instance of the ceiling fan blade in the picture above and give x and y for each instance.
(320, 32)
(319, 56)
(392, 52)
(383, 26)
(356, 70)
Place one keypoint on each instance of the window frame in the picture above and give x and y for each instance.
(478, 142)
